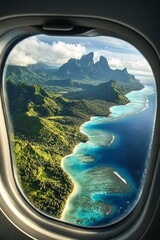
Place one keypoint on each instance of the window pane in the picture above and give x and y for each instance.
(82, 114)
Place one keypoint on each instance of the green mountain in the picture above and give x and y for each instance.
(46, 124)
(46, 128)
(110, 91)
(85, 68)
(31, 74)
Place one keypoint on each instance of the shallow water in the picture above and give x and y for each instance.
(109, 169)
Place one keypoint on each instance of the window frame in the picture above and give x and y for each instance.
(13, 204)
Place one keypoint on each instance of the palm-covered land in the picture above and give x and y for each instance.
(47, 109)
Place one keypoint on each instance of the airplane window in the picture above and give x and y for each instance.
(81, 113)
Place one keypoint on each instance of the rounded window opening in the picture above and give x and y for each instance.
(81, 112)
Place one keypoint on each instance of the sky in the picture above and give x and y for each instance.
(56, 51)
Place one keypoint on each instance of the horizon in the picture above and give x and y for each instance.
(55, 51)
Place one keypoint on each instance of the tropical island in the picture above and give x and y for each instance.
(47, 109)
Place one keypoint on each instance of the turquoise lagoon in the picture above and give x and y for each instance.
(108, 170)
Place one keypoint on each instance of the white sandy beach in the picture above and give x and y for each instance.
(73, 193)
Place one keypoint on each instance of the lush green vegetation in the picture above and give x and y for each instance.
(31, 74)
(46, 128)
(110, 91)
(84, 70)
(46, 122)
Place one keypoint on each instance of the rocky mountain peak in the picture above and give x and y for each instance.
(103, 62)
(85, 68)
(125, 70)
(87, 60)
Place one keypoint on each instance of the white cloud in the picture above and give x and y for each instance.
(32, 50)
(115, 63)
(119, 54)
(136, 64)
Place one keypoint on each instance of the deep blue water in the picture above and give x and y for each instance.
(132, 128)
(131, 149)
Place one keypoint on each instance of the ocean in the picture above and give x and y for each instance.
(109, 170)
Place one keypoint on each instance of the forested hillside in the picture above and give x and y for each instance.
(46, 123)
(46, 128)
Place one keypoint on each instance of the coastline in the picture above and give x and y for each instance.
(74, 192)
(75, 184)
(76, 187)
(112, 109)
(97, 119)
(129, 95)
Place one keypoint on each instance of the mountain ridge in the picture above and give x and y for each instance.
(86, 68)
(76, 69)
(110, 91)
